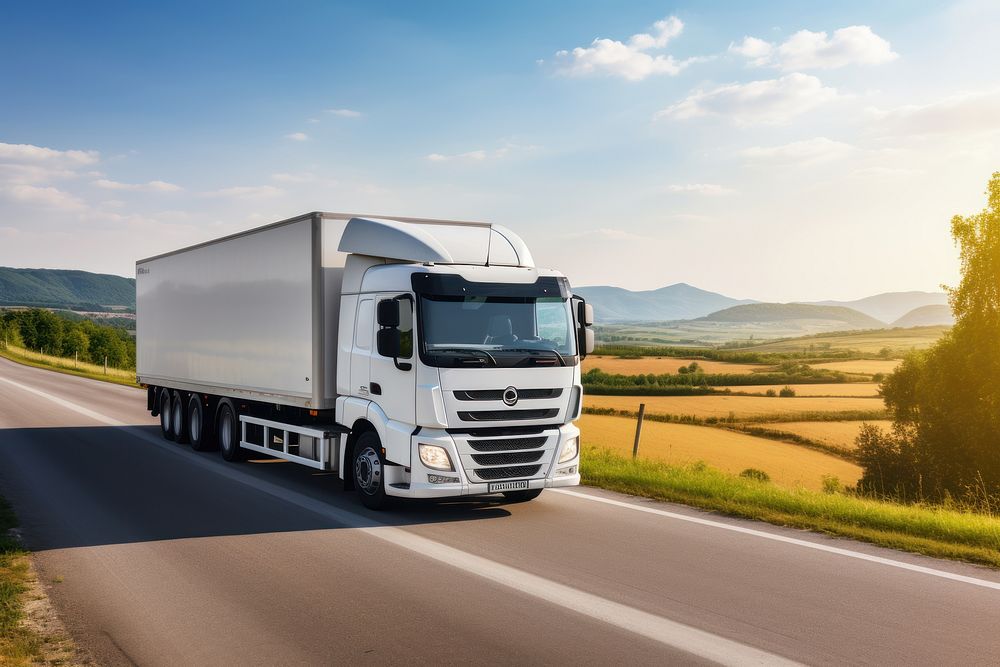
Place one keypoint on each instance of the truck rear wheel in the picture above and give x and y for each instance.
(178, 418)
(166, 415)
(522, 496)
(200, 430)
(228, 429)
(369, 468)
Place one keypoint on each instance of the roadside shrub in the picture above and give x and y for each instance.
(755, 474)
(770, 392)
(831, 484)
(786, 392)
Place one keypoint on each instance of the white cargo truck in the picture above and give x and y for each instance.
(416, 358)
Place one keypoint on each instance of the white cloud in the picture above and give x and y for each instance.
(770, 101)
(345, 113)
(45, 197)
(628, 60)
(471, 156)
(807, 151)
(151, 186)
(297, 136)
(247, 191)
(853, 45)
(710, 189)
(27, 153)
(967, 113)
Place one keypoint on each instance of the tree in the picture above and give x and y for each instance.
(76, 342)
(945, 402)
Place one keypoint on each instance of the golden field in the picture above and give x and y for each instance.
(861, 366)
(853, 389)
(788, 465)
(662, 365)
(834, 434)
(739, 406)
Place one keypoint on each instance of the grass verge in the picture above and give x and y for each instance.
(18, 644)
(943, 533)
(68, 366)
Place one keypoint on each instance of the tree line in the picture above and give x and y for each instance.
(46, 332)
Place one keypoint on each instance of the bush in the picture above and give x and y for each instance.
(770, 392)
(786, 392)
(754, 473)
(831, 484)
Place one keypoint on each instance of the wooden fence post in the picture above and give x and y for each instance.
(105, 364)
(638, 431)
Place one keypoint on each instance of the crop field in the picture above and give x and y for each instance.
(861, 366)
(867, 342)
(740, 407)
(847, 389)
(663, 365)
(787, 465)
(835, 434)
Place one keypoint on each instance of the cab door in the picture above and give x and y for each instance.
(393, 381)
(361, 352)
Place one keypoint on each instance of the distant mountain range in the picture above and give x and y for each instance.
(674, 302)
(683, 302)
(57, 288)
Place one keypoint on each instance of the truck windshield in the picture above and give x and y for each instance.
(497, 331)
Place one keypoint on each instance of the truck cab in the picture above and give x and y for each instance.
(468, 373)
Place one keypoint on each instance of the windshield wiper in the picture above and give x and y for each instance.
(529, 350)
(471, 351)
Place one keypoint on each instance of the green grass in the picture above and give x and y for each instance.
(68, 366)
(933, 531)
(18, 645)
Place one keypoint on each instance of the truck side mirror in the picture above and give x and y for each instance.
(586, 342)
(584, 320)
(388, 314)
(586, 314)
(388, 340)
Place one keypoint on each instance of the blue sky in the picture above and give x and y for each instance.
(793, 165)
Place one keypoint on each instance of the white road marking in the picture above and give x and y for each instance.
(657, 628)
(944, 574)
(79, 409)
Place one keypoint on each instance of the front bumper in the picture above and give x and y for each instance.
(416, 483)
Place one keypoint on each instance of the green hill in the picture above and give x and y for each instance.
(57, 288)
(926, 316)
(785, 312)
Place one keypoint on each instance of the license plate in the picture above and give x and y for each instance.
(507, 486)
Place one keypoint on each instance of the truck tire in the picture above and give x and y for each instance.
(522, 496)
(200, 431)
(228, 428)
(369, 467)
(165, 415)
(178, 418)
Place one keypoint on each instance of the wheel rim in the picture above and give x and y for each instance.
(194, 423)
(177, 417)
(165, 414)
(226, 430)
(368, 471)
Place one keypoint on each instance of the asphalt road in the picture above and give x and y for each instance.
(165, 556)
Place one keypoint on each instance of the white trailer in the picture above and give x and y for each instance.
(417, 358)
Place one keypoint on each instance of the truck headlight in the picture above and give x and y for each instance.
(570, 449)
(434, 457)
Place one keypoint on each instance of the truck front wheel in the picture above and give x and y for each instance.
(229, 433)
(369, 468)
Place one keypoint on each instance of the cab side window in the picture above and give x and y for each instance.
(405, 328)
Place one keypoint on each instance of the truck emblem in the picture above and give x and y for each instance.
(510, 396)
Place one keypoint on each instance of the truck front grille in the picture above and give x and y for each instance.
(506, 444)
(497, 394)
(492, 474)
(506, 415)
(506, 458)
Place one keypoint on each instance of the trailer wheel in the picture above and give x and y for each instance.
(522, 496)
(369, 469)
(166, 415)
(228, 428)
(200, 430)
(178, 418)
